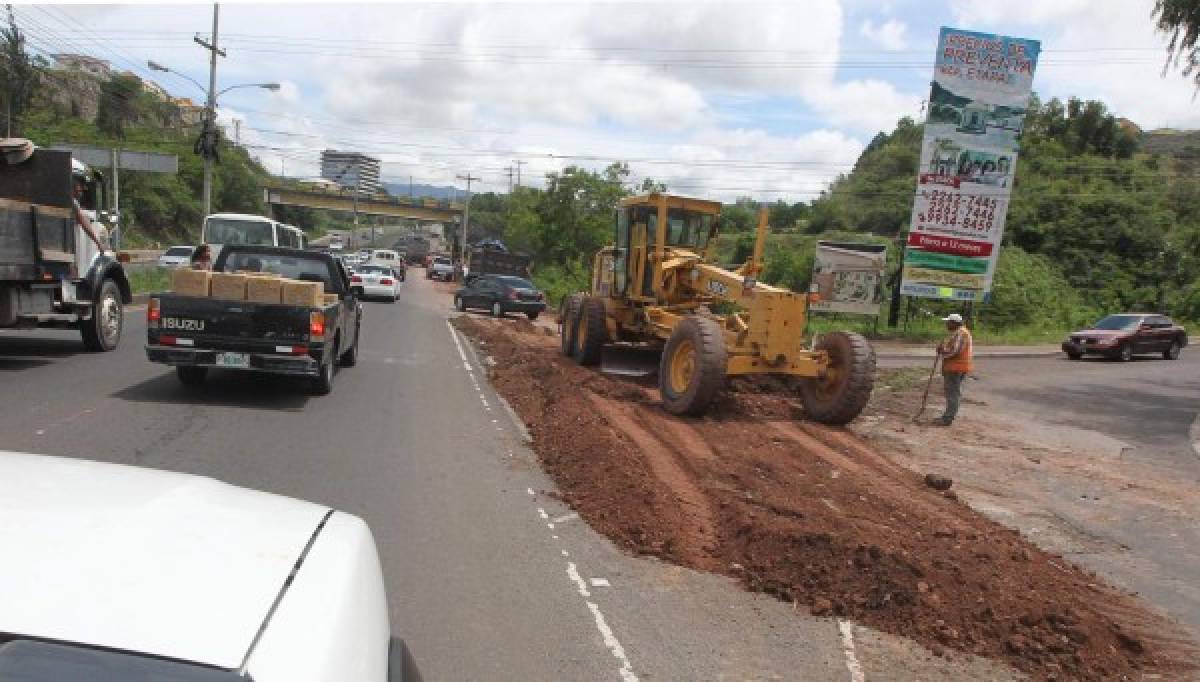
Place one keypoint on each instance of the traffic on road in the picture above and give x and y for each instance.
(743, 379)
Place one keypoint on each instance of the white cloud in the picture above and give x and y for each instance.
(865, 106)
(1097, 49)
(890, 35)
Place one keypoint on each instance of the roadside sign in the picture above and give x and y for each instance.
(849, 277)
(976, 110)
(145, 162)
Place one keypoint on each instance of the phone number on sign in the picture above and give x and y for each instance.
(954, 210)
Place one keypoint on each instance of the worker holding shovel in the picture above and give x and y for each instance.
(955, 353)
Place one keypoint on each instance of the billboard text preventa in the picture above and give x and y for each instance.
(981, 87)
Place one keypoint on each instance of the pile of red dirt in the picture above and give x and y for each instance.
(814, 516)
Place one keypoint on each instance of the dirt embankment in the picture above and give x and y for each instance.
(813, 515)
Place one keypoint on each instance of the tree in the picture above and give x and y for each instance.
(1180, 19)
(19, 75)
(118, 104)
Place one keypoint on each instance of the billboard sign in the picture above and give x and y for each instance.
(849, 277)
(976, 110)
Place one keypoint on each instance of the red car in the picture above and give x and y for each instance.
(1122, 336)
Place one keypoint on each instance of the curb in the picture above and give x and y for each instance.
(516, 420)
(977, 354)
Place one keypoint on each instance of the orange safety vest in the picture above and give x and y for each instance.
(962, 361)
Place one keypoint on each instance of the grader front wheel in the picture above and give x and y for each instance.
(843, 392)
(691, 372)
(568, 319)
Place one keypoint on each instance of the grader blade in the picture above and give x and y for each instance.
(630, 361)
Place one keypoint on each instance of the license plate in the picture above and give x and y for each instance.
(237, 360)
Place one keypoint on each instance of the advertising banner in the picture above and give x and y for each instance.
(976, 109)
(849, 277)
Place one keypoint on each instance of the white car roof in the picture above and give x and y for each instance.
(240, 216)
(142, 560)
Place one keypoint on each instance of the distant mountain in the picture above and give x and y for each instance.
(419, 191)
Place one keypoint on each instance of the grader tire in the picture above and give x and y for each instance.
(591, 332)
(842, 394)
(568, 314)
(692, 370)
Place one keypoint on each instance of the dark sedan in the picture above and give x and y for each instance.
(1120, 337)
(501, 294)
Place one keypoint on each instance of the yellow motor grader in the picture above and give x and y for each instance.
(657, 286)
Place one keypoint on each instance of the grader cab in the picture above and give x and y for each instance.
(657, 286)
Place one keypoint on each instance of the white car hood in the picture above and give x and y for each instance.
(140, 559)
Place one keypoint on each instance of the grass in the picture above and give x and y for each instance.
(902, 379)
(149, 280)
(931, 330)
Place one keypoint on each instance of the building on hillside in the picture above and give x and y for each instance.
(149, 86)
(351, 169)
(100, 68)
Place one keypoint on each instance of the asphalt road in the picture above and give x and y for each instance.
(1150, 404)
(1149, 409)
(488, 577)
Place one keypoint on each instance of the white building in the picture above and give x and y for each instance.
(100, 68)
(351, 169)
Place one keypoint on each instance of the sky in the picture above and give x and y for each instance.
(722, 100)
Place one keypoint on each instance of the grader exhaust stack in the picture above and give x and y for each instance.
(656, 287)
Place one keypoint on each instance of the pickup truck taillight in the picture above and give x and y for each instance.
(316, 325)
(153, 313)
(356, 279)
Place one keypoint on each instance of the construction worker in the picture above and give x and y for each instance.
(955, 352)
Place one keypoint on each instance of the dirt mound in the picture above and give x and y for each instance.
(813, 515)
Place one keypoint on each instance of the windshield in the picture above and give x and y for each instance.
(1118, 322)
(375, 270)
(686, 228)
(227, 231)
(179, 251)
(441, 261)
(516, 282)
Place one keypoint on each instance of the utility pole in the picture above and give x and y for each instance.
(237, 131)
(209, 136)
(116, 198)
(519, 164)
(466, 214)
(509, 172)
(410, 196)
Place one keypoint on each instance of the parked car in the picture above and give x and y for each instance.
(158, 575)
(1122, 336)
(375, 281)
(176, 256)
(501, 294)
(440, 268)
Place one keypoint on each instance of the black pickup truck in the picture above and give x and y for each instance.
(194, 333)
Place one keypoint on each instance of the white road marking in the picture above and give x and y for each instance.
(566, 517)
(852, 664)
(610, 641)
(550, 526)
(573, 574)
(600, 582)
(542, 513)
(457, 344)
(530, 491)
(564, 552)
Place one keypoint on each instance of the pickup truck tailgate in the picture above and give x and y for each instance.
(214, 319)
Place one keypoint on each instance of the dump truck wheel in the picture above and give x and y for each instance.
(691, 373)
(843, 392)
(568, 312)
(591, 332)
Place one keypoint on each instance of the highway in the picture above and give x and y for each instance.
(488, 576)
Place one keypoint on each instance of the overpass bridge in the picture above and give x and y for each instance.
(425, 210)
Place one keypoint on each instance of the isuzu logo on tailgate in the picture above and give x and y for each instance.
(183, 325)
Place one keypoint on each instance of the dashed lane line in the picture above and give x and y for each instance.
(852, 664)
(610, 639)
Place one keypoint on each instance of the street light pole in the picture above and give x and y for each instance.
(466, 214)
(210, 109)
